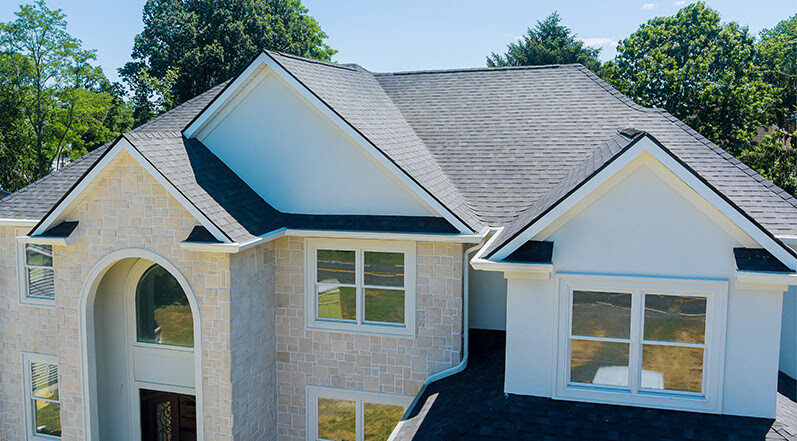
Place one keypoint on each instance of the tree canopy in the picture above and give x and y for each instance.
(549, 42)
(189, 46)
(55, 103)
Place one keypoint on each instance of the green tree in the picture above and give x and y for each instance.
(63, 102)
(548, 43)
(700, 70)
(777, 56)
(189, 46)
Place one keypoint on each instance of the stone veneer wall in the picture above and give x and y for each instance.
(123, 208)
(362, 362)
(254, 345)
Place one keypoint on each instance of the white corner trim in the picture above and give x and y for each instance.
(777, 282)
(5, 222)
(124, 145)
(648, 145)
(208, 116)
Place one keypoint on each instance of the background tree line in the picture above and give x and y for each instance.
(738, 90)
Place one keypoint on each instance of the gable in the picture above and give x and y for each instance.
(298, 160)
(589, 180)
(645, 221)
(122, 154)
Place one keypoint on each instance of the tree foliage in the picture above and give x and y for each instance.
(698, 69)
(548, 43)
(777, 56)
(62, 105)
(189, 46)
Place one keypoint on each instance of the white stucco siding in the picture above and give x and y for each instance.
(788, 336)
(648, 226)
(300, 162)
(487, 300)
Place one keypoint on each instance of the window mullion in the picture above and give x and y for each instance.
(359, 424)
(635, 350)
(359, 278)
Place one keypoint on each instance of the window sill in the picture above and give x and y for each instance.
(38, 301)
(644, 398)
(350, 328)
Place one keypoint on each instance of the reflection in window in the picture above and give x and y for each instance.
(44, 393)
(163, 314)
(337, 419)
(380, 419)
(39, 270)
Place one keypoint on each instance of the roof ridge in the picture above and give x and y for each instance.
(476, 69)
(348, 66)
(692, 132)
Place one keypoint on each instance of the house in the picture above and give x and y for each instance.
(300, 254)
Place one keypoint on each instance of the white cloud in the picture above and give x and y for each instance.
(598, 42)
(648, 6)
(680, 3)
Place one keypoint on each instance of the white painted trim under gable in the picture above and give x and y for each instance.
(207, 117)
(124, 145)
(648, 145)
(235, 247)
(5, 222)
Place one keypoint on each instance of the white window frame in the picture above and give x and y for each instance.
(30, 417)
(22, 277)
(359, 396)
(360, 247)
(716, 294)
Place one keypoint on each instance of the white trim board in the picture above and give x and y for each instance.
(124, 145)
(649, 145)
(5, 222)
(201, 125)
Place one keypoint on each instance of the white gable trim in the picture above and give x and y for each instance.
(18, 222)
(124, 145)
(200, 125)
(649, 145)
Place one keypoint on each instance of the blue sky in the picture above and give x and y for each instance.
(418, 34)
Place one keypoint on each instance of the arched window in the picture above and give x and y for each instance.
(163, 315)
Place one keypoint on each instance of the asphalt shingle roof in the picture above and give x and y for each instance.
(472, 405)
(487, 143)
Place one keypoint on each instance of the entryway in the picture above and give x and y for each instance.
(167, 416)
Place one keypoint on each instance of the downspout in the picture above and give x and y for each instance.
(465, 340)
(465, 328)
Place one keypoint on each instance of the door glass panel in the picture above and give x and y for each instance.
(336, 419)
(163, 314)
(675, 318)
(601, 314)
(672, 368)
(384, 305)
(337, 302)
(380, 419)
(599, 362)
(384, 269)
(335, 266)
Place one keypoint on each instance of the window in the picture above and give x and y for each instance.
(163, 315)
(41, 396)
(361, 286)
(349, 415)
(641, 340)
(36, 281)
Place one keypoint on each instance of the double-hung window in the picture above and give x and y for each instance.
(352, 415)
(36, 276)
(641, 340)
(361, 286)
(43, 410)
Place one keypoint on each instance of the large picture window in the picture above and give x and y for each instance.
(353, 415)
(640, 340)
(361, 286)
(42, 397)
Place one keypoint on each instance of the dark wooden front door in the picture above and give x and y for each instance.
(167, 416)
